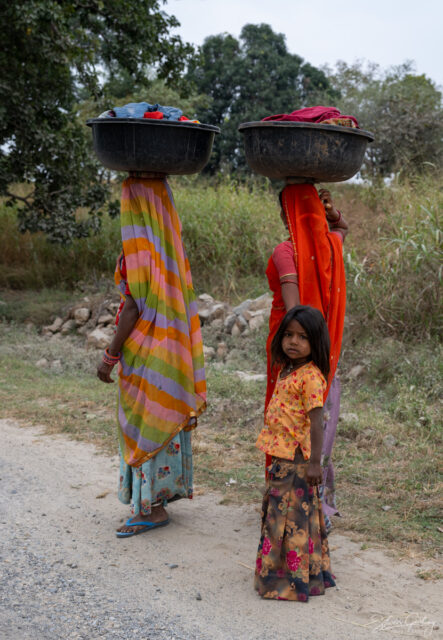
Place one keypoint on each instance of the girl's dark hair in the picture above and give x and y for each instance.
(314, 324)
(280, 198)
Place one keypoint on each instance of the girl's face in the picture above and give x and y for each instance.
(295, 343)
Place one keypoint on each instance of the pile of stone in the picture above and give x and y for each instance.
(87, 318)
(96, 321)
(248, 316)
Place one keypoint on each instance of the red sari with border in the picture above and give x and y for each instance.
(321, 274)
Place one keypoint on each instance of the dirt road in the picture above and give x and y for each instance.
(65, 575)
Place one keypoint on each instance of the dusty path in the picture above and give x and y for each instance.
(65, 575)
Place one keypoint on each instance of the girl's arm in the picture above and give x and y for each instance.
(128, 317)
(314, 472)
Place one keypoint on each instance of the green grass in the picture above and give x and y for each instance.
(395, 285)
(399, 396)
(28, 261)
(393, 253)
(69, 401)
(370, 472)
(224, 441)
(30, 306)
(228, 231)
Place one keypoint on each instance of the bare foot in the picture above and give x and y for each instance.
(158, 514)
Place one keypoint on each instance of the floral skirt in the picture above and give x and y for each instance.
(293, 555)
(162, 479)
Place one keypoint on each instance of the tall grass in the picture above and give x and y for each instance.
(28, 261)
(396, 287)
(393, 253)
(229, 232)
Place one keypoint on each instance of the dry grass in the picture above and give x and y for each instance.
(66, 398)
(371, 471)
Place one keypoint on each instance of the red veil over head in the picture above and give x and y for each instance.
(321, 274)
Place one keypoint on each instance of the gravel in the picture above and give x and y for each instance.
(65, 576)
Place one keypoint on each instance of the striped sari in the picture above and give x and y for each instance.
(162, 386)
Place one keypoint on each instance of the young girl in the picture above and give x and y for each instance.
(293, 556)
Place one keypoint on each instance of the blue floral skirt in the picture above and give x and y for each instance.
(162, 479)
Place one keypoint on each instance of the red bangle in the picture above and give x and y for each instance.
(111, 360)
(108, 355)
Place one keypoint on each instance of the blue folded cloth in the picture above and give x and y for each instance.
(137, 109)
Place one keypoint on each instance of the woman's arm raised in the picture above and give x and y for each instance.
(335, 219)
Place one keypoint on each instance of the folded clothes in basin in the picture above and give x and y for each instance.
(325, 115)
(147, 111)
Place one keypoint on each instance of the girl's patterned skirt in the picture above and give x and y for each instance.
(162, 479)
(293, 555)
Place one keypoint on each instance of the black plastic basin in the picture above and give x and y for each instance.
(317, 152)
(128, 144)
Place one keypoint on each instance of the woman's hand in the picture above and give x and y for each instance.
(128, 318)
(333, 216)
(104, 372)
(314, 474)
(331, 212)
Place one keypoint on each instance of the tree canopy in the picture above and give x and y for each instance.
(248, 79)
(53, 53)
(402, 109)
(65, 60)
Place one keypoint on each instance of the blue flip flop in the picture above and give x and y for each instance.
(146, 527)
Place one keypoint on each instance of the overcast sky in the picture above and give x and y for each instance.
(387, 32)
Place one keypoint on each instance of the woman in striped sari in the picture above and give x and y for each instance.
(159, 352)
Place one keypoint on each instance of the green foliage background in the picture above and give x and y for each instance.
(62, 62)
(54, 54)
(402, 109)
(393, 253)
(248, 79)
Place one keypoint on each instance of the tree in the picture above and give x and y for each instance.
(403, 110)
(53, 53)
(248, 80)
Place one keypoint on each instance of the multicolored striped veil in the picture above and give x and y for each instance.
(162, 386)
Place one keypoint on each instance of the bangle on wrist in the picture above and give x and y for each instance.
(111, 360)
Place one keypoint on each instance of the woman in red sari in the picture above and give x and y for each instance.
(308, 269)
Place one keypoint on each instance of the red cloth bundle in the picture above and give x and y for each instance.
(156, 115)
(311, 114)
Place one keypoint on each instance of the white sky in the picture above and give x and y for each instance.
(387, 32)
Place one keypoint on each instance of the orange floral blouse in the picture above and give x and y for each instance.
(287, 423)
